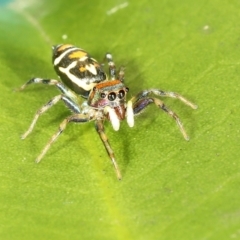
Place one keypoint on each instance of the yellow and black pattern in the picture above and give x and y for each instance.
(77, 69)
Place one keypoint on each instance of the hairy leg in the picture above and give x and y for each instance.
(103, 136)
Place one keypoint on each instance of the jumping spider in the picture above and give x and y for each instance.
(91, 95)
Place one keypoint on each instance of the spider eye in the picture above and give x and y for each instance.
(121, 94)
(111, 96)
(103, 95)
(126, 89)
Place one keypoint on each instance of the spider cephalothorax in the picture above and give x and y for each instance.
(92, 96)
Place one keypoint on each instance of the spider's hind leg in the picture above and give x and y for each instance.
(111, 65)
(54, 82)
(112, 69)
(121, 74)
(68, 97)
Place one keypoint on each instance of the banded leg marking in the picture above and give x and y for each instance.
(79, 118)
(172, 114)
(141, 104)
(69, 103)
(42, 110)
(57, 83)
(111, 65)
(104, 138)
(121, 74)
(162, 93)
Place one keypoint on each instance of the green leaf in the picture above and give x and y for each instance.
(171, 189)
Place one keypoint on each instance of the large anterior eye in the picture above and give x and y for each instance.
(111, 96)
(121, 94)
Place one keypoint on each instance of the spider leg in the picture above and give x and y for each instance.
(54, 82)
(68, 102)
(141, 104)
(121, 74)
(111, 65)
(100, 129)
(78, 118)
(162, 93)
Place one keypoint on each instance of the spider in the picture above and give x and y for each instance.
(93, 96)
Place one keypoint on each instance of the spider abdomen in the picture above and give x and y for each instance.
(77, 69)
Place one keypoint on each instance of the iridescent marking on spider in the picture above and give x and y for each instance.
(92, 96)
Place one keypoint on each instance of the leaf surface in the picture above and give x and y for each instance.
(171, 189)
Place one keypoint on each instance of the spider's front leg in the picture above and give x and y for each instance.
(103, 136)
(162, 93)
(142, 100)
(77, 118)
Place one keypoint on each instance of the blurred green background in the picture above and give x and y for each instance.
(171, 189)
